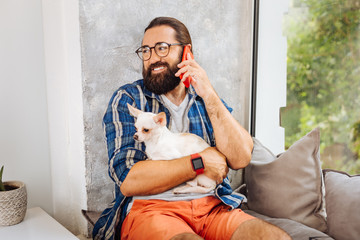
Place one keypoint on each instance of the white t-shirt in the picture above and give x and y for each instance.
(178, 117)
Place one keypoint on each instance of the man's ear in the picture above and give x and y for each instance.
(160, 119)
(134, 111)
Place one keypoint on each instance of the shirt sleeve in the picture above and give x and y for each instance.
(227, 106)
(123, 150)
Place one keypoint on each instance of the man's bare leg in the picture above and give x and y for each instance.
(259, 229)
(187, 236)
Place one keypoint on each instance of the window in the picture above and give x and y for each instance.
(322, 77)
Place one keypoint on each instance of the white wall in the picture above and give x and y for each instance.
(66, 128)
(271, 82)
(41, 128)
(24, 146)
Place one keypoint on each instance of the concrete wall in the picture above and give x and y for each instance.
(111, 30)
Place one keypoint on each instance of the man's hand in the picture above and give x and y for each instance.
(200, 81)
(215, 164)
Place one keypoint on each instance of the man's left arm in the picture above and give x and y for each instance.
(231, 138)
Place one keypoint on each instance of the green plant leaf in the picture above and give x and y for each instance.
(2, 187)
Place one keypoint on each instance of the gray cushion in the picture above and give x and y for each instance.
(290, 185)
(296, 230)
(236, 178)
(342, 204)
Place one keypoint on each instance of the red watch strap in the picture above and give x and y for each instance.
(195, 155)
(199, 171)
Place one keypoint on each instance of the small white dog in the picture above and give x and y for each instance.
(162, 144)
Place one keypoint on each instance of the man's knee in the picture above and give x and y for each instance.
(186, 236)
(259, 229)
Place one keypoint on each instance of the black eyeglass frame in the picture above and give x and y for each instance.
(138, 51)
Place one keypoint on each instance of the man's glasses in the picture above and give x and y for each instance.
(162, 49)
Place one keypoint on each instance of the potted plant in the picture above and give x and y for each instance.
(13, 201)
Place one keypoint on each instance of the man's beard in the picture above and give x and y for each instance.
(161, 83)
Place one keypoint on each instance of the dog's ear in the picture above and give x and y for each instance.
(160, 119)
(134, 111)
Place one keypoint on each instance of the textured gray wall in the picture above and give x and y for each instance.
(111, 30)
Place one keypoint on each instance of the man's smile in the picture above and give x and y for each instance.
(158, 69)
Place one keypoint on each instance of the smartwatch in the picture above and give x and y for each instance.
(197, 163)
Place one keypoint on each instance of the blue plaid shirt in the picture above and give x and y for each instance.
(124, 152)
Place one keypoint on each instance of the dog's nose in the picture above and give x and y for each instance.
(136, 137)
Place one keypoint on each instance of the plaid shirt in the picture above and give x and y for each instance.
(124, 152)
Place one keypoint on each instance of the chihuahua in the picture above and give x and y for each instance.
(162, 144)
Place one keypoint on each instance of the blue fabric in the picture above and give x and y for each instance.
(124, 152)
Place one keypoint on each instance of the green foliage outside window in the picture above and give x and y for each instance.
(323, 77)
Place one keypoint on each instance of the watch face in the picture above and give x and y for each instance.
(197, 163)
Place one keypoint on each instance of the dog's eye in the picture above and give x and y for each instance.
(145, 130)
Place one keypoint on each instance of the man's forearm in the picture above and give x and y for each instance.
(231, 138)
(152, 177)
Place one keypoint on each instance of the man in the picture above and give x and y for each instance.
(144, 207)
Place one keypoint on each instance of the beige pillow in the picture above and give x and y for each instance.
(290, 185)
(342, 205)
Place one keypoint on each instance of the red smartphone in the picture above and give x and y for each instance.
(184, 57)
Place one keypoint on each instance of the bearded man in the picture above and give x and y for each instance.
(144, 206)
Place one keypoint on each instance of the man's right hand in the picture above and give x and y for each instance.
(215, 164)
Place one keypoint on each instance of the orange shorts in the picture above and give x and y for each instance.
(158, 219)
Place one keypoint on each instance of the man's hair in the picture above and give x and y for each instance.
(182, 34)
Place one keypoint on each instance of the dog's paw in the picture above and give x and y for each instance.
(183, 189)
